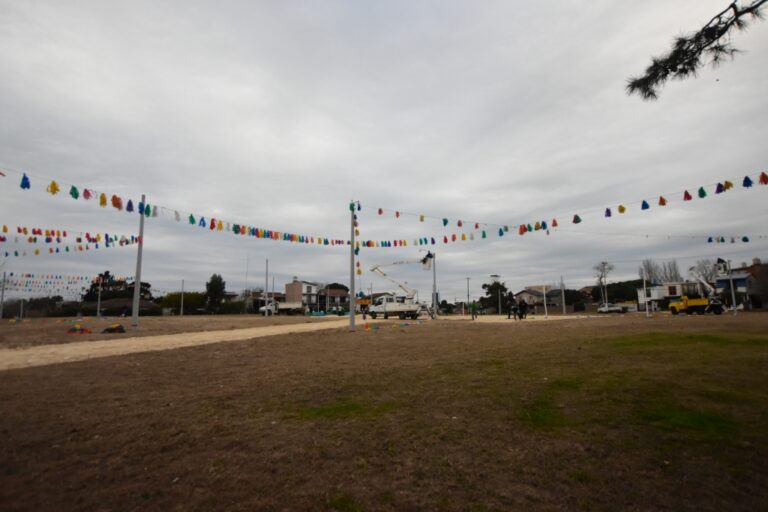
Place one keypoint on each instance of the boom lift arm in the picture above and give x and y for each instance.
(409, 292)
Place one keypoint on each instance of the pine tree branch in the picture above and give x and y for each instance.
(690, 52)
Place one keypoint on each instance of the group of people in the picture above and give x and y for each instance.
(517, 310)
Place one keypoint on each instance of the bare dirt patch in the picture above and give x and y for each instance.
(47, 331)
(616, 414)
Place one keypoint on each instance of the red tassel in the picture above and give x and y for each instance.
(686, 196)
(453, 237)
(381, 212)
(477, 225)
(662, 201)
(763, 178)
(445, 239)
(397, 214)
(554, 223)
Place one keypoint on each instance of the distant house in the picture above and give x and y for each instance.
(305, 292)
(533, 297)
(750, 280)
(332, 298)
(230, 297)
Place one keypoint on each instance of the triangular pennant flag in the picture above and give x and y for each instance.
(381, 212)
(154, 211)
(129, 206)
(745, 239)
(421, 218)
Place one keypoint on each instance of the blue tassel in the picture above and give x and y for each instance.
(202, 223)
(129, 206)
(501, 232)
(709, 240)
(645, 205)
(746, 183)
(25, 182)
(607, 212)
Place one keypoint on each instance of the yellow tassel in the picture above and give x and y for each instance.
(464, 237)
(622, 209)
(53, 188)
(220, 226)
(727, 185)
(5, 228)
(421, 218)
(357, 232)
(103, 200)
(359, 271)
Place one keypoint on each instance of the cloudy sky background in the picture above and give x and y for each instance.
(276, 114)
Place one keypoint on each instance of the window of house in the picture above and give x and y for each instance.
(672, 290)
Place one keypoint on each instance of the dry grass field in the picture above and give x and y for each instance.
(619, 413)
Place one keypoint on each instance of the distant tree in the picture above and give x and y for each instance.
(690, 52)
(650, 270)
(573, 297)
(192, 301)
(446, 307)
(602, 270)
(337, 286)
(491, 299)
(707, 269)
(670, 272)
(114, 288)
(215, 289)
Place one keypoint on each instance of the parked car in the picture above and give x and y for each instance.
(610, 308)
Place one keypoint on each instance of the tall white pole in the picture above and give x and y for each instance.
(2, 296)
(544, 289)
(21, 309)
(434, 285)
(467, 293)
(733, 291)
(645, 295)
(137, 281)
(351, 266)
(245, 290)
(562, 293)
(266, 289)
(181, 307)
(98, 301)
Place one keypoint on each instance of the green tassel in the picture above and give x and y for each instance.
(74, 192)
(702, 193)
(192, 219)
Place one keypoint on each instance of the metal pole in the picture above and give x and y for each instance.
(181, 308)
(467, 293)
(2, 297)
(273, 293)
(137, 280)
(562, 293)
(434, 285)
(351, 266)
(245, 291)
(98, 300)
(266, 289)
(645, 296)
(733, 291)
(545, 301)
(499, 294)
(21, 309)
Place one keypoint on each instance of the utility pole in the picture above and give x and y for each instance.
(733, 291)
(266, 289)
(496, 278)
(544, 289)
(181, 309)
(645, 295)
(2, 297)
(352, 222)
(137, 281)
(98, 299)
(434, 284)
(467, 293)
(562, 293)
(245, 291)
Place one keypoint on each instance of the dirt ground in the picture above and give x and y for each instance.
(619, 413)
(47, 331)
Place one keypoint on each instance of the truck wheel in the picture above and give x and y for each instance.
(674, 311)
(373, 316)
(401, 316)
(718, 311)
(386, 316)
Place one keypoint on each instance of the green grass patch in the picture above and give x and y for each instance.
(344, 503)
(542, 414)
(668, 339)
(345, 410)
(708, 424)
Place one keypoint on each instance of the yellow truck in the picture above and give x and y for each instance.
(698, 306)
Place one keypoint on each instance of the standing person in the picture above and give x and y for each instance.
(522, 309)
(473, 310)
(511, 310)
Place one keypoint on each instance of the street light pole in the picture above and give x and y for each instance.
(733, 291)
(467, 292)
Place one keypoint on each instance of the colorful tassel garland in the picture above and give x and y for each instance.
(73, 192)
(662, 201)
(53, 188)
(607, 212)
(746, 183)
(702, 193)
(576, 219)
(644, 205)
(687, 196)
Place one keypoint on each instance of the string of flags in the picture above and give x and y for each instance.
(463, 231)
(59, 236)
(210, 223)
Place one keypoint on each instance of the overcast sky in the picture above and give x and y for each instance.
(276, 114)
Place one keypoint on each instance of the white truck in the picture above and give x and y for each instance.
(400, 306)
(286, 308)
